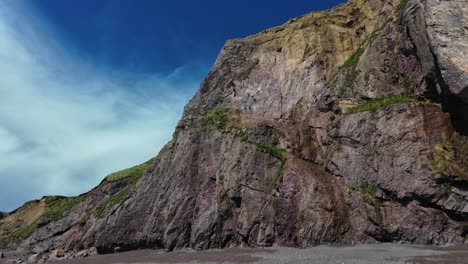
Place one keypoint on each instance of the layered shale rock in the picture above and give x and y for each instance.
(343, 126)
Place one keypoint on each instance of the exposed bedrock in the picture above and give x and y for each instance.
(342, 126)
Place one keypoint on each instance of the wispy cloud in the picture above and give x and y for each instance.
(64, 122)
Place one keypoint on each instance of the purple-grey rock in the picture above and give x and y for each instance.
(342, 126)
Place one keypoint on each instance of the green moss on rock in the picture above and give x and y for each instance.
(401, 6)
(117, 198)
(378, 103)
(275, 203)
(17, 234)
(369, 193)
(349, 67)
(278, 153)
(242, 134)
(450, 158)
(56, 207)
(369, 73)
(216, 118)
(25, 231)
(274, 151)
(134, 172)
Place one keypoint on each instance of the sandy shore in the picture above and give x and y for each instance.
(362, 254)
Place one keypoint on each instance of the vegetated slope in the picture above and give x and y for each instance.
(342, 126)
(57, 216)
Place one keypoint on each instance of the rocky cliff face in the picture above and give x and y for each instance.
(342, 126)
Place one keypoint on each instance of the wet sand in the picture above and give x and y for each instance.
(455, 254)
(360, 254)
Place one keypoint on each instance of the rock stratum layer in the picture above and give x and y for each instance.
(342, 126)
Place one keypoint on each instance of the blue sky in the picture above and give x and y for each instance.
(91, 87)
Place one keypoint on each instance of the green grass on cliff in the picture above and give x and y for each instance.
(275, 203)
(352, 73)
(133, 172)
(369, 193)
(278, 153)
(117, 198)
(216, 118)
(450, 158)
(442, 159)
(352, 61)
(369, 73)
(21, 223)
(401, 6)
(349, 67)
(25, 231)
(58, 206)
(242, 134)
(18, 233)
(378, 103)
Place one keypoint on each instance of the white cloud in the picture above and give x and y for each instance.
(65, 123)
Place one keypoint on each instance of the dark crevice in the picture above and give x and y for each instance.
(453, 182)
(458, 113)
(61, 232)
(431, 92)
(450, 103)
(384, 235)
(456, 216)
(237, 201)
(121, 247)
(425, 202)
(438, 91)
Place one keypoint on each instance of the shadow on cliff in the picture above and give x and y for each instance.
(458, 113)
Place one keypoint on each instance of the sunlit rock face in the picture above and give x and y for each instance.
(342, 126)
